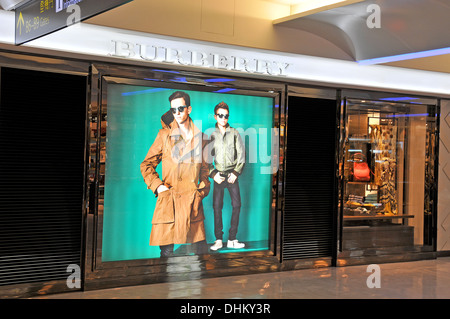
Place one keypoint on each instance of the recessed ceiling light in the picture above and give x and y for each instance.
(406, 56)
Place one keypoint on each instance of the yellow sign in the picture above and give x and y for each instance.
(45, 5)
(20, 23)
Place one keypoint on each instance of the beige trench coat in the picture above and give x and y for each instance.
(178, 216)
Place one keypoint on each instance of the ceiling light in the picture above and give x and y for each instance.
(398, 99)
(224, 90)
(308, 7)
(406, 56)
(303, 8)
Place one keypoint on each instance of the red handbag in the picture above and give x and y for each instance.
(361, 171)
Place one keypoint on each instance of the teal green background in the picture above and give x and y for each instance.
(133, 114)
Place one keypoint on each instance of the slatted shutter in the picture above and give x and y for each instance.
(310, 182)
(42, 125)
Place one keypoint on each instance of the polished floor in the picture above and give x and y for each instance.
(427, 279)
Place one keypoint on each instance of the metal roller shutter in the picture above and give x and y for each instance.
(42, 125)
(310, 179)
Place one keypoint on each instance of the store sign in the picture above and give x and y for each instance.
(38, 18)
(95, 40)
(197, 58)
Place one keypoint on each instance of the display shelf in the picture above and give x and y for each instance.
(377, 217)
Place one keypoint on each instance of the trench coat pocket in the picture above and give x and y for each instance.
(164, 209)
(197, 208)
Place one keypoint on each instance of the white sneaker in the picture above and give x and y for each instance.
(235, 244)
(217, 245)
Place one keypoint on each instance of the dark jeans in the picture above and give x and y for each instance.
(235, 195)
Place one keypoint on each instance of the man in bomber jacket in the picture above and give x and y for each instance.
(228, 151)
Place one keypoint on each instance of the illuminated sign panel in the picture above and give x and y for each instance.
(38, 18)
(218, 184)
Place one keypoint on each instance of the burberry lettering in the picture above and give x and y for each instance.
(155, 53)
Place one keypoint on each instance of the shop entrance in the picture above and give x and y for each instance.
(42, 141)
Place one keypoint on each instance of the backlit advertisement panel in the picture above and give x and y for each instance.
(187, 172)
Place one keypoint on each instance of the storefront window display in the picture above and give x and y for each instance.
(167, 184)
(387, 165)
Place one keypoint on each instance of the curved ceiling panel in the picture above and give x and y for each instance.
(405, 26)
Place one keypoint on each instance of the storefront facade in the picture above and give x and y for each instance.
(341, 162)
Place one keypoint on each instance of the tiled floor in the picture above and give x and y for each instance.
(428, 279)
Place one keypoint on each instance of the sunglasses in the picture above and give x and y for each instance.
(180, 109)
(223, 116)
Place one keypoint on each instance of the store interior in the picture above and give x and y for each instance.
(387, 171)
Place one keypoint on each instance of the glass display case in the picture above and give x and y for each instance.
(387, 172)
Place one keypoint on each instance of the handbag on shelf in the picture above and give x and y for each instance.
(360, 169)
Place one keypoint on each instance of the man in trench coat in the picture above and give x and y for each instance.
(178, 216)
